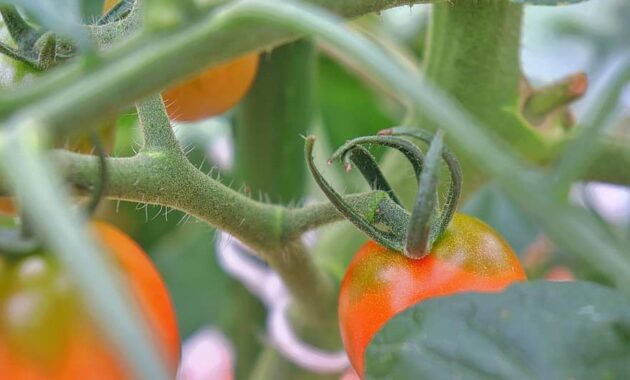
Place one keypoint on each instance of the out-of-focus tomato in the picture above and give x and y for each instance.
(45, 331)
(380, 283)
(7, 206)
(210, 93)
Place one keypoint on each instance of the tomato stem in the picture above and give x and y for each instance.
(421, 231)
(388, 238)
(100, 187)
(455, 187)
(425, 225)
(367, 165)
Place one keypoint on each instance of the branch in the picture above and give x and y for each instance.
(569, 226)
(83, 93)
(156, 126)
(610, 162)
(168, 179)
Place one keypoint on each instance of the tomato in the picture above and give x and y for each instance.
(7, 206)
(109, 4)
(210, 93)
(46, 332)
(380, 283)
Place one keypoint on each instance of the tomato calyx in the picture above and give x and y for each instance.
(390, 224)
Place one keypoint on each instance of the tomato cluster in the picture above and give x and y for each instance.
(47, 334)
(380, 283)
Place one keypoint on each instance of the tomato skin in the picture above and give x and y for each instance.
(212, 92)
(7, 206)
(380, 283)
(46, 333)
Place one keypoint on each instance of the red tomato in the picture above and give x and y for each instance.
(46, 333)
(380, 283)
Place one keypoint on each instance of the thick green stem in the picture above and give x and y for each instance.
(473, 54)
(277, 112)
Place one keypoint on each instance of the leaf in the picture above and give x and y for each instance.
(534, 330)
(548, 2)
(61, 16)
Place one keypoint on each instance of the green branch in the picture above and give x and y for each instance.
(156, 127)
(148, 63)
(170, 180)
(571, 227)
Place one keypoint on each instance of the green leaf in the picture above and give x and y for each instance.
(548, 2)
(534, 330)
(61, 16)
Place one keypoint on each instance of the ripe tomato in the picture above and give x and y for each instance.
(379, 283)
(210, 93)
(7, 206)
(46, 333)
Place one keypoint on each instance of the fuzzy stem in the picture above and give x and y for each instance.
(170, 180)
(156, 126)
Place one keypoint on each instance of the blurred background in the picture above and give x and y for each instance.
(557, 41)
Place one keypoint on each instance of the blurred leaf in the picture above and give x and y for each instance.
(349, 108)
(535, 330)
(494, 208)
(61, 16)
(204, 295)
(197, 284)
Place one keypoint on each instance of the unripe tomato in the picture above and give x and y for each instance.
(210, 93)
(380, 283)
(46, 332)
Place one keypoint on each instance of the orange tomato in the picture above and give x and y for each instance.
(46, 333)
(109, 4)
(380, 283)
(210, 93)
(7, 206)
